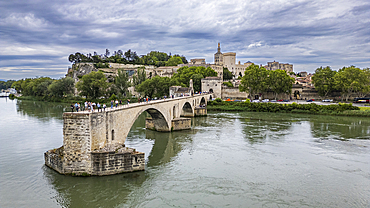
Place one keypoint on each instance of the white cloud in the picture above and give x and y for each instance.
(26, 21)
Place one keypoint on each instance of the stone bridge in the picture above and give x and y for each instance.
(94, 142)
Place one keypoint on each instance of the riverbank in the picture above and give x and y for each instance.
(339, 109)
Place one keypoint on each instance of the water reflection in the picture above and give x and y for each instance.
(261, 127)
(340, 128)
(41, 110)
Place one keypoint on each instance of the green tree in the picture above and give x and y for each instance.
(185, 73)
(197, 82)
(255, 80)
(229, 84)
(351, 80)
(93, 85)
(174, 61)
(122, 82)
(323, 80)
(139, 77)
(226, 74)
(155, 87)
(280, 82)
(7, 84)
(61, 87)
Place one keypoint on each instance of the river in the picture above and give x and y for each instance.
(226, 160)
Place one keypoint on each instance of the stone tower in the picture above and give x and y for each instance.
(219, 57)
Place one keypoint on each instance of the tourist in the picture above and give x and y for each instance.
(128, 101)
(104, 106)
(72, 107)
(120, 101)
(76, 106)
(93, 106)
(85, 105)
(116, 103)
(99, 107)
(111, 104)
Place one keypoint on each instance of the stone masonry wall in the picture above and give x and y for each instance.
(119, 161)
(77, 143)
(98, 130)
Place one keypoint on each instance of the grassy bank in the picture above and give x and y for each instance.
(337, 110)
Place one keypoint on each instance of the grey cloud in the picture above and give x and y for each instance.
(303, 33)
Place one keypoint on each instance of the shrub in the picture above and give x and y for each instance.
(218, 100)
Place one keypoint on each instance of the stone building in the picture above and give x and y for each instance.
(178, 91)
(197, 61)
(228, 60)
(276, 65)
(221, 60)
(212, 85)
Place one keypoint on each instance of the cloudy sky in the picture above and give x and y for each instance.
(37, 36)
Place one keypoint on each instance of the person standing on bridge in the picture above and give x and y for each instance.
(104, 106)
(99, 107)
(116, 103)
(111, 104)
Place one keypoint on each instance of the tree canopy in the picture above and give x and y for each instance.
(226, 74)
(352, 80)
(93, 85)
(122, 82)
(155, 58)
(323, 79)
(255, 80)
(280, 82)
(259, 80)
(156, 87)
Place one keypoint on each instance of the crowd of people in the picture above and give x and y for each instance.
(92, 106)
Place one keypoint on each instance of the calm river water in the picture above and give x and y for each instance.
(226, 160)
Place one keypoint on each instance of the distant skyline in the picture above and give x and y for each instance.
(37, 36)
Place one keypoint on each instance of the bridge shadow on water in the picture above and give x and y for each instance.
(114, 190)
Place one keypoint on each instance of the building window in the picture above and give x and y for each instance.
(215, 84)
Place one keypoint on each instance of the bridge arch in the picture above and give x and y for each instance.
(120, 122)
(203, 101)
(187, 110)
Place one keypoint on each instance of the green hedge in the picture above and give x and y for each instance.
(312, 108)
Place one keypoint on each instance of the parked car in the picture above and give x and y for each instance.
(265, 100)
(281, 100)
(255, 101)
(273, 101)
(327, 100)
(310, 100)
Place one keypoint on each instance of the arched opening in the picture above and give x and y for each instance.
(210, 90)
(157, 121)
(202, 102)
(126, 124)
(210, 97)
(187, 110)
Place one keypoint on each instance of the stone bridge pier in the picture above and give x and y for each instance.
(94, 142)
